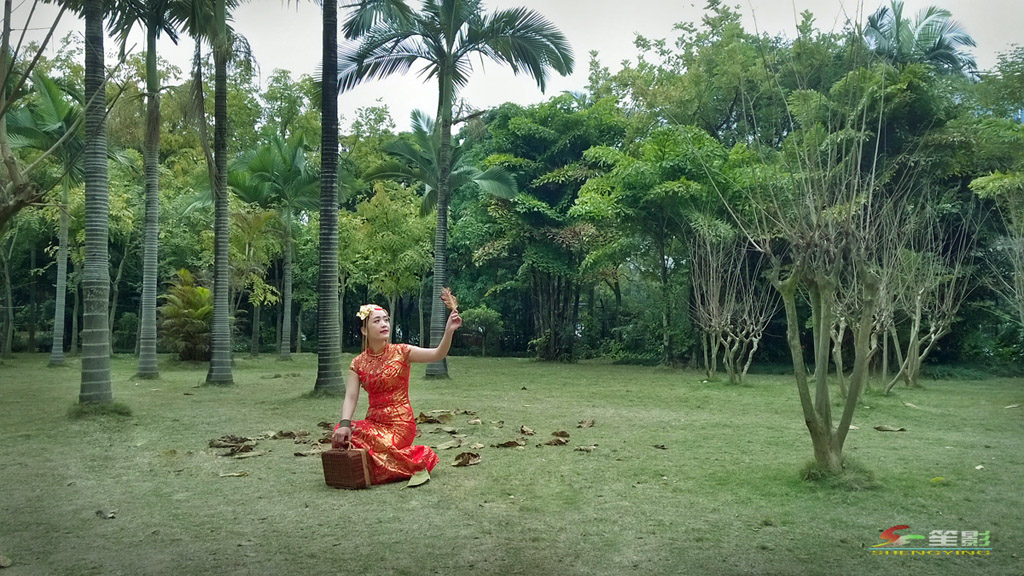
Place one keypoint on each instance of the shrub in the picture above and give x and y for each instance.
(185, 318)
(484, 324)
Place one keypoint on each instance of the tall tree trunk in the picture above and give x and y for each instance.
(95, 385)
(116, 288)
(419, 306)
(254, 345)
(220, 332)
(286, 301)
(76, 299)
(666, 309)
(204, 134)
(147, 367)
(438, 318)
(8, 308)
(343, 281)
(329, 377)
(31, 344)
(298, 330)
(57, 348)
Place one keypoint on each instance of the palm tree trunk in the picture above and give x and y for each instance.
(57, 348)
(220, 331)
(204, 136)
(147, 318)
(329, 377)
(286, 301)
(438, 317)
(95, 385)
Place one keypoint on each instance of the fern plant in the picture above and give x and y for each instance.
(185, 318)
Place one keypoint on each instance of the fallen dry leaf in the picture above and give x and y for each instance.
(590, 448)
(852, 427)
(979, 467)
(467, 459)
(106, 515)
(498, 423)
(585, 424)
(526, 431)
(450, 444)
(661, 447)
(474, 422)
(242, 455)
(289, 434)
(229, 441)
(239, 449)
(476, 446)
(884, 428)
(560, 433)
(428, 419)
(326, 425)
(418, 479)
(5, 562)
(558, 441)
(1012, 406)
(234, 474)
(510, 443)
(909, 405)
(314, 451)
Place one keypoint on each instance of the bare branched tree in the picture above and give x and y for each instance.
(817, 211)
(933, 281)
(730, 304)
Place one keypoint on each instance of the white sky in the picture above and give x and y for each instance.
(287, 35)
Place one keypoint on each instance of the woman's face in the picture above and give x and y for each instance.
(378, 325)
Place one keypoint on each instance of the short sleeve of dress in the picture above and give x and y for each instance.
(404, 353)
(354, 365)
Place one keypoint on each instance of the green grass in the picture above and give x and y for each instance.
(725, 495)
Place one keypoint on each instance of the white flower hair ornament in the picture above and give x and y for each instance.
(366, 309)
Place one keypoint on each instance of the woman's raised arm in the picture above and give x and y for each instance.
(417, 354)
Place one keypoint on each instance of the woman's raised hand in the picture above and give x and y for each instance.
(454, 321)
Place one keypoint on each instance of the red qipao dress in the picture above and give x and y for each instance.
(389, 428)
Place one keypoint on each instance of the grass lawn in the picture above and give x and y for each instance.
(722, 494)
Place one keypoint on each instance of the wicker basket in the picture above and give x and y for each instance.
(348, 469)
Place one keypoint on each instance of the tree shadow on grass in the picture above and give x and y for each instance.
(99, 410)
(852, 478)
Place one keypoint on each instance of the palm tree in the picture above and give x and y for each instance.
(279, 178)
(416, 160)
(329, 375)
(444, 35)
(55, 122)
(157, 16)
(366, 13)
(95, 386)
(220, 337)
(933, 37)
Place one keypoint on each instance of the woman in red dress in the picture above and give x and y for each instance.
(389, 428)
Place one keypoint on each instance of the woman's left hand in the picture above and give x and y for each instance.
(454, 322)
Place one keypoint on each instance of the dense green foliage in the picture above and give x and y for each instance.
(573, 223)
